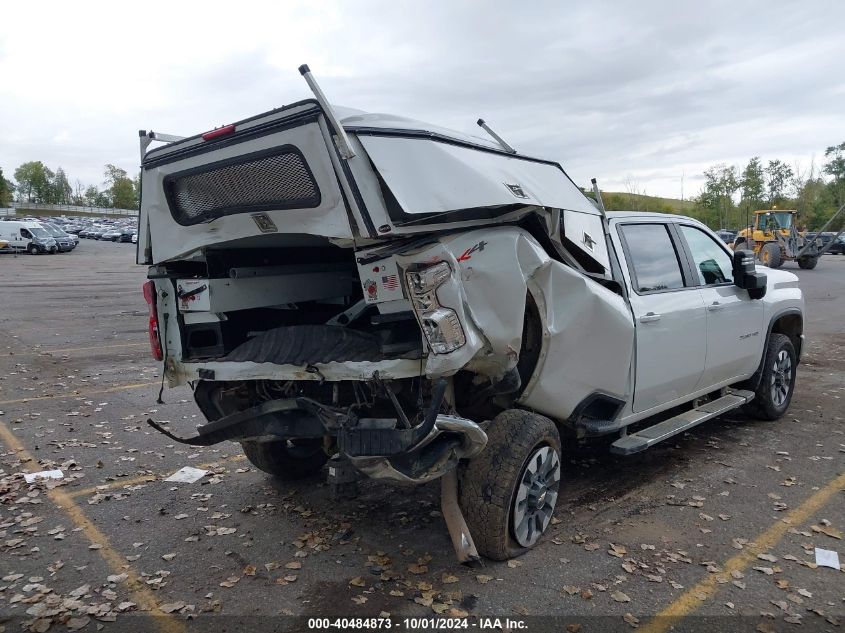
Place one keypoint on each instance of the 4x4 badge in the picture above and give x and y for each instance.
(264, 223)
(516, 190)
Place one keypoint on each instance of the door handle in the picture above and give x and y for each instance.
(713, 307)
(650, 317)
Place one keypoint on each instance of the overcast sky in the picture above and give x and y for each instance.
(629, 92)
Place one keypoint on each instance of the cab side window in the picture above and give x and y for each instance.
(712, 264)
(652, 258)
(26, 235)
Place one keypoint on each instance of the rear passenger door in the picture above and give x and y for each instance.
(669, 315)
(734, 321)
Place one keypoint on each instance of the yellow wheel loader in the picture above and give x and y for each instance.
(775, 239)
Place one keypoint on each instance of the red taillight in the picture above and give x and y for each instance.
(155, 341)
(221, 131)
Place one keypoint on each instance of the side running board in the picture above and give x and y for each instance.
(649, 436)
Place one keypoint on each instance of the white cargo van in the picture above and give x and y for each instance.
(27, 236)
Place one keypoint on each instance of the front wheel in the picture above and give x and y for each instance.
(777, 383)
(509, 491)
(770, 255)
(807, 263)
(287, 459)
(32, 249)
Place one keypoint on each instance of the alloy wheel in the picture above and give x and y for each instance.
(536, 495)
(781, 378)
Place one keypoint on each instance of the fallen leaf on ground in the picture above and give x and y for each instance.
(620, 597)
(617, 550)
(827, 530)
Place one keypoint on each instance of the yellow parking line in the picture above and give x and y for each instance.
(122, 483)
(136, 385)
(75, 349)
(696, 596)
(140, 593)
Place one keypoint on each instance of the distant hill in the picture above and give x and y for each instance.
(618, 201)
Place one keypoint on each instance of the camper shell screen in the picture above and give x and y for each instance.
(278, 178)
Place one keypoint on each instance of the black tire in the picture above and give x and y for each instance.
(32, 249)
(773, 395)
(808, 263)
(287, 459)
(770, 255)
(491, 482)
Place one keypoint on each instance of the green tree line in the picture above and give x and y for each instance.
(731, 194)
(35, 182)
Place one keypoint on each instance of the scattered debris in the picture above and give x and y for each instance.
(827, 558)
(44, 474)
(187, 475)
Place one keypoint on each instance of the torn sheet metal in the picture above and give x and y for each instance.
(581, 318)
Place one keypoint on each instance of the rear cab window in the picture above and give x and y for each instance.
(652, 259)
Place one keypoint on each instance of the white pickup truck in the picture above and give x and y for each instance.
(414, 303)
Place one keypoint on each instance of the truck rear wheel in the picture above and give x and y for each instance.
(770, 255)
(287, 459)
(808, 263)
(509, 491)
(777, 383)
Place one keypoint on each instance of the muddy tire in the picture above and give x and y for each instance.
(807, 263)
(770, 255)
(773, 395)
(509, 491)
(287, 459)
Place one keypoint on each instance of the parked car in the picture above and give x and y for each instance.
(838, 247)
(446, 321)
(64, 241)
(27, 236)
(726, 236)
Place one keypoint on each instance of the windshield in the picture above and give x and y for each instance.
(39, 232)
(776, 219)
(54, 230)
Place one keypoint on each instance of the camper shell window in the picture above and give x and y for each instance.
(278, 178)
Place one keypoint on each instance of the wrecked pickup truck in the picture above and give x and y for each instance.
(409, 303)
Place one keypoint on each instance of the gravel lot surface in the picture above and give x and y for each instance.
(722, 521)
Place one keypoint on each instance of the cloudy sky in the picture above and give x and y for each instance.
(633, 93)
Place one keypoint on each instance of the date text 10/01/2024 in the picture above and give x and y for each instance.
(417, 624)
